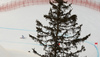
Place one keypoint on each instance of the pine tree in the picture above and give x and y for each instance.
(63, 30)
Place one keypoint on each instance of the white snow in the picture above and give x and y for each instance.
(14, 53)
(25, 17)
(3, 52)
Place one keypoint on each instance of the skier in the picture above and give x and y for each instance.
(22, 37)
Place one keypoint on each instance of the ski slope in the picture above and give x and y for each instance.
(15, 23)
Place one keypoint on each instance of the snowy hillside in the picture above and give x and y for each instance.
(15, 23)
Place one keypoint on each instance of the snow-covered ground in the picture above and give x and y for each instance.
(15, 23)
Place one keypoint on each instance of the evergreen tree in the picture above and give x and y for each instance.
(63, 30)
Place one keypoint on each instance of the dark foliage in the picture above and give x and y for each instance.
(63, 29)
